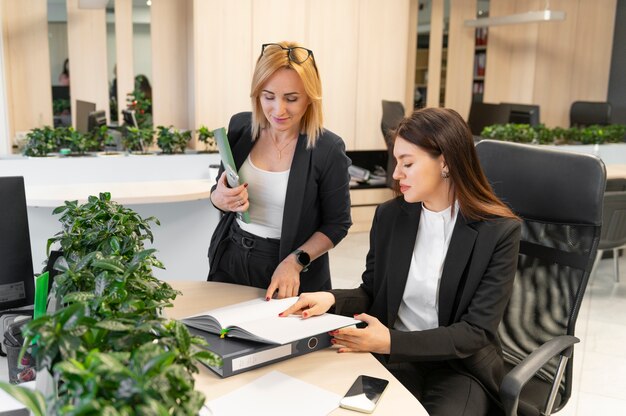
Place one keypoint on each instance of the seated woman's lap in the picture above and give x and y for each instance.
(441, 390)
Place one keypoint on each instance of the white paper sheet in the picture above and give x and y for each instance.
(276, 394)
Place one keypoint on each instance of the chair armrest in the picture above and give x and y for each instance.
(512, 383)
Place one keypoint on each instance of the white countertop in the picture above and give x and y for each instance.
(122, 192)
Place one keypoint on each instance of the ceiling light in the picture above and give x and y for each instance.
(513, 19)
(149, 2)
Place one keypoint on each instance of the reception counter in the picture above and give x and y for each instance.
(173, 188)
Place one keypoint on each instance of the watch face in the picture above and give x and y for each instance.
(303, 258)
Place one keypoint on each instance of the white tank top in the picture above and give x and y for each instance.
(266, 192)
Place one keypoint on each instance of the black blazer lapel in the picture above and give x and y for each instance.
(242, 149)
(400, 252)
(459, 252)
(296, 187)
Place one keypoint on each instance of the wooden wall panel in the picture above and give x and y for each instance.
(336, 58)
(382, 64)
(170, 42)
(124, 52)
(511, 55)
(278, 20)
(461, 40)
(550, 64)
(411, 56)
(222, 60)
(592, 54)
(27, 65)
(553, 72)
(435, 46)
(86, 38)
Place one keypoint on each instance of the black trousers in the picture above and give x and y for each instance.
(245, 259)
(442, 390)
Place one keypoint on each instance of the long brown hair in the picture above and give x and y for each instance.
(442, 131)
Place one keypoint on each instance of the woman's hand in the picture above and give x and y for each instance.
(230, 199)
(286, 279)
(375, 338)
(311, 304)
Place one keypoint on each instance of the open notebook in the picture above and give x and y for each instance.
(258, 320)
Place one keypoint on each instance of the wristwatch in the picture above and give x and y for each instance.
(303, 259)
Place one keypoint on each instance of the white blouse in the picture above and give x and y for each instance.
(419, 309)
(266, 193)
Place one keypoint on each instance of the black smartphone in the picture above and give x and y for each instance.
(364, 394)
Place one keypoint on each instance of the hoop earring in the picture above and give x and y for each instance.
(445, 174)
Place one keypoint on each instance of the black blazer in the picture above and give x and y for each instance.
(318, 196)
(476, 283)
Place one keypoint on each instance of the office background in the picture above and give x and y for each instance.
(202, 53)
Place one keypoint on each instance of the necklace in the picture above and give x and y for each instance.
(280, 149)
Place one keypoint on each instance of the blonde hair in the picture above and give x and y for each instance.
(270, 61)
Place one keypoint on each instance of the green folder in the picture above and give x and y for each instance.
(41, 295)
(232, 177)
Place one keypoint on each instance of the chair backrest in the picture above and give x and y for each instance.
(613, 221)
(586, 113)
(485, 114)
(393, 113)
(558, 195)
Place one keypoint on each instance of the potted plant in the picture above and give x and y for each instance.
(541, 134)
(40, 142)
(138, 140)
(171, 140)
(206, 136)
(108, 347)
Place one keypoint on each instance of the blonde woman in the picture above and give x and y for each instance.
(295, 182)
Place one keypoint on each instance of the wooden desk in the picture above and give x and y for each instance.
(615, 171)
(325, 368)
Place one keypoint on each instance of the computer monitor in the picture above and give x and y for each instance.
(523, 113)
(83, 110)
(17, 287)
(485, 114)
(60, 92)
(129, 118)
(96, 119)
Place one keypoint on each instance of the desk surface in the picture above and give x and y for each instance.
(122, 192)
(615, 171)
(325, 368)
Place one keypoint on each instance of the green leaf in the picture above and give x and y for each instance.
(113, 325)
(109, 264)
(32, 399)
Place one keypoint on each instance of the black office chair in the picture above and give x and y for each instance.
(558, 196)
(393, 113)
(613, 236)
(587, 113)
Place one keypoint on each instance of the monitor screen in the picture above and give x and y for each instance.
(60, 92)
(96, 119)
(129, 118)
(523, 114)
(485, 114)
(17, 288)
(83, 109)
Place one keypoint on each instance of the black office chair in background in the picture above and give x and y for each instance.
(613, 236)
(485, 114)
(393, 113)
(558, 196)
(587, 113)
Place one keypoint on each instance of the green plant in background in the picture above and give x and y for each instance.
(102, 137)
(60, 106)
(171, 140)
(206, 136)
(541, 134)
(78, 143)
(142, 105)
(138, 139)
(40, 142)
(108, 348)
